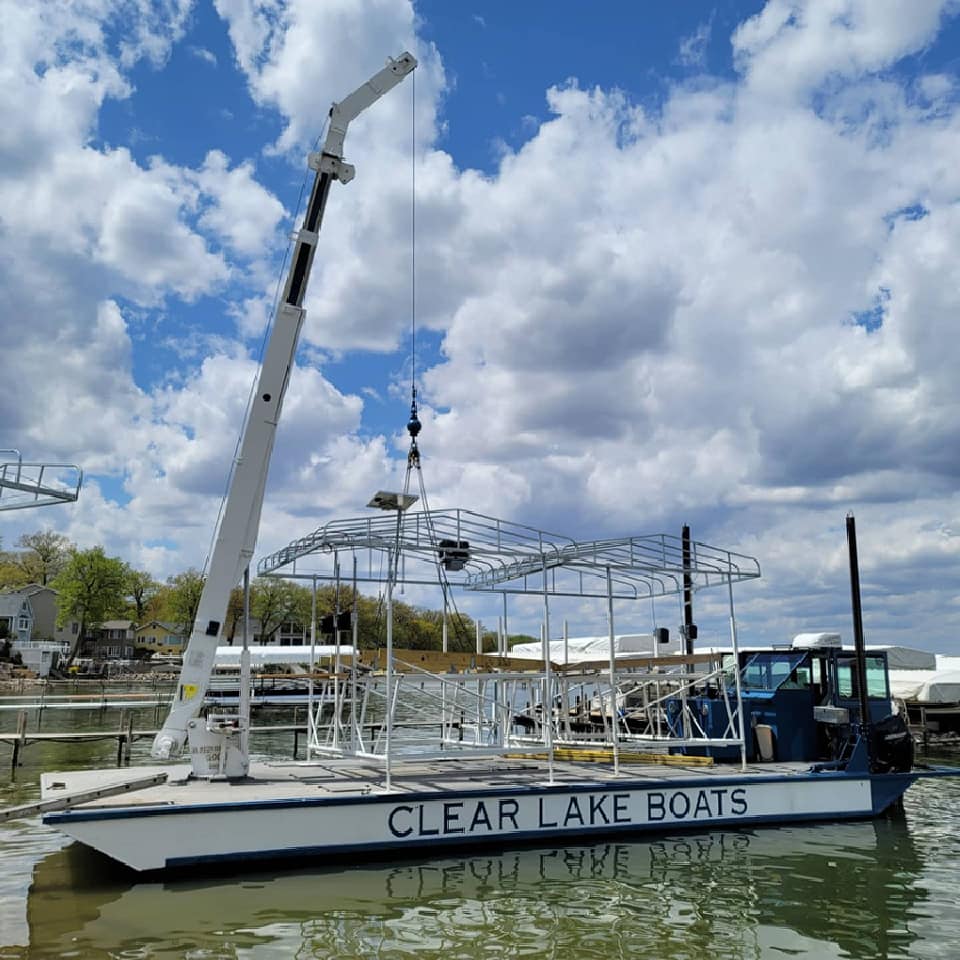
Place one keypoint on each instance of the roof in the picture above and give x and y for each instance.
(12, 604)
(164, 624)
(483, 553)
(116, 624)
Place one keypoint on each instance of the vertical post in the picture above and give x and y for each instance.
(548, 676)
(479, 637)
(446, 645)
(243, 704)
(123, 723)
(355, 637)
(129, 739)
(336, 657)
(506, 635)
(736, 675)
(689, 631)
(615, 739)
(858, 631)
(390, 558)
(21, 740)
(311, 717)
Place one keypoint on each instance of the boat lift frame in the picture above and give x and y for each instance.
(495, 556)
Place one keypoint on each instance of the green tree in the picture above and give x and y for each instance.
(91, 589)
(141, 588)
(274, 601)
(11, 576)
(43, 555)
(182, 597)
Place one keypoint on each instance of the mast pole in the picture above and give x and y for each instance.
(859, 645)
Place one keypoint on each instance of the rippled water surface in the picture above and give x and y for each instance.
(886, 888)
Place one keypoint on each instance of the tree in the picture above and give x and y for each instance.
(182, 596)
(141, 589)
(274, 601)
(11, 576)
(43, 555)
(91, 589)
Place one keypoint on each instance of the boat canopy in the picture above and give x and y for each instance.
(481, 553)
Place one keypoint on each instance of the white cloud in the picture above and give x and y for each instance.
(693, 48)
(646, 317)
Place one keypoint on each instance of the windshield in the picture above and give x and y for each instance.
(771, 671)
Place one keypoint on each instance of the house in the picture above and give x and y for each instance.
(160, 638)
(292, 634)
(113, 640)
(16, 617)
(45, 603)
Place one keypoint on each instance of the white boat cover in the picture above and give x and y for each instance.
(597, 648)
(261, 655)
(807, 641)
(942, 687)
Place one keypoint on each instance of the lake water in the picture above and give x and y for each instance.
(880, 889)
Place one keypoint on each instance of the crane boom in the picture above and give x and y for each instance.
(237, 534)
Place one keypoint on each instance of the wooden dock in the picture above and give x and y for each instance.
(124, 734)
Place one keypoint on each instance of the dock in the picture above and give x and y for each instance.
(124, 734)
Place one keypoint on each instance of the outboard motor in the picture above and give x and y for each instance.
(892, 745)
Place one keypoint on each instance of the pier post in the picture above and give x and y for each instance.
(123, 723)
(128, 743)
(21, 740)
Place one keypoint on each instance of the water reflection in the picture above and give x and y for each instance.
(844, 890)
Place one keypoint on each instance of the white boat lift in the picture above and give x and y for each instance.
(494, 703)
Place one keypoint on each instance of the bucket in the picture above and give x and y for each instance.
(764, 734)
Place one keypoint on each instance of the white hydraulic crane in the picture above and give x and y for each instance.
(221, 746)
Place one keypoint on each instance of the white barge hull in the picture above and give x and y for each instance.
(293, 811)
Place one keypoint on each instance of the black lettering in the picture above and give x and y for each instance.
(655, 806)
(393, 826)
(738, 800)
(719, 793)
(451, 816)
(573, 812)
(620, 812)
(508, 811)
(679, 810)
(545, 823)
(424, 830)
(480, 817)
(596, 807)
(703, 805)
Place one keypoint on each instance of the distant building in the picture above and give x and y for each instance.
(160, 638)
(41, 656)
(112, 640)
(292, 634)
(44, 601)
(16, 616)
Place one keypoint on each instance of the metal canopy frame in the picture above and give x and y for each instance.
(509, 558)
(24, 484)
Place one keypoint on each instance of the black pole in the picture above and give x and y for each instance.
(689, 630)
(858, 629)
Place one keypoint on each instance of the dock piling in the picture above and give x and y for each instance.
(21, 740)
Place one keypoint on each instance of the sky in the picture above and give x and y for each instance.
(667, 263)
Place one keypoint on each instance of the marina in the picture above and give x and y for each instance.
(528, 750)
(460, 559)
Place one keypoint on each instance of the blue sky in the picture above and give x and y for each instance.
(673, 263)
